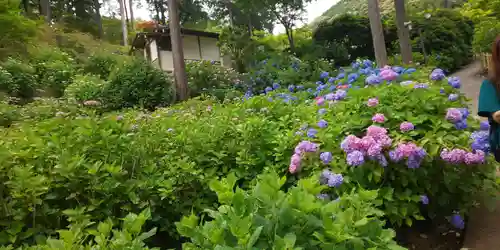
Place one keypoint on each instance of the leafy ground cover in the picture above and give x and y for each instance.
(396, 142)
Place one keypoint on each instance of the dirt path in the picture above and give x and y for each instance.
(483, 229)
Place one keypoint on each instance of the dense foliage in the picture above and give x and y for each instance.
(266, 218)
(350, 36)
(120, 163)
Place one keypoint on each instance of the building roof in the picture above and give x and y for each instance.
(140, 39)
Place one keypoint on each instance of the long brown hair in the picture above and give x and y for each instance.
(494, 68)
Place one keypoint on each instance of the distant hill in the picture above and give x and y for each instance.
(386, 7)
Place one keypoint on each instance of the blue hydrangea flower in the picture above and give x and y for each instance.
(311, 133)
(461, 125)
(323, 75)
(323, 197)
(291, 88)
(355, 65)
(322, 111)
(454, 82)
(322, 124)
(367, 63)
(453, 97)
(398, 69)
(341, 76)
(410, 70)
(268, 89)
(355, 158)
(352, 78)
(373, 80)
(442, 91)
(484, 126)
(335, 180)
(331, 79)
(437, 74)
(300, 87)
(457, 221)
(326, 157)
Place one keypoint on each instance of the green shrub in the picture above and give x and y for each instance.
(105, 235)
(101, 64)
(485, 34)
(17, 30)
(137, 83)
(268, 218)
(8, 114)
(84, 88)
(207, 78)
(18, 79)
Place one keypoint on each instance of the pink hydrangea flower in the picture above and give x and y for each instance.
(372, 102)
(388, 74)
(474, 158)
(454, 115)
(376, 131)
(320, 100)
(378, 118)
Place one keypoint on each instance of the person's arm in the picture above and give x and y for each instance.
(489, 104)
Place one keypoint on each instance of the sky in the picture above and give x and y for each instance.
(313, 10)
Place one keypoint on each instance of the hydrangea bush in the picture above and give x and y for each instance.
(266, 217)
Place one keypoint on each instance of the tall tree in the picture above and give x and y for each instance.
(124, 23)
(98, 18)
(287, 13)
(45, 10)
(131, 8)
(403, 33)
(377, 33)
(177, 50)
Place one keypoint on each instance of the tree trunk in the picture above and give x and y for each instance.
(177, 51)
(403, 33)
(124, 23)
(446, 3)
(126, 12)
(131, 8)
(26, 7)
(97, 7)
(289, 34)
(45, 10)
(377, 33)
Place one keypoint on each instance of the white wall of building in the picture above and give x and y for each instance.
(208, 49)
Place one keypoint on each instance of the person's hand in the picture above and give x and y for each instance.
(496, 116)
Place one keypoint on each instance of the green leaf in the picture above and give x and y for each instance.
(361, 222)
(254, 237)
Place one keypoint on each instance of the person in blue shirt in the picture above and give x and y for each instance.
(489, 101)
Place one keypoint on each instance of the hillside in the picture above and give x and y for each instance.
(386, 7)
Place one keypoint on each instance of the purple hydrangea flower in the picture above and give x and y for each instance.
(355, 158)
(322, 124)
(454, 115)
(276, 85)
(437, 74)
(373, 80)
(311, 133)
(322, 111)
(454, 82)
(306, 146)
(410, 70)
(378, 118)
(326, 157)
(421, 86)
(330, 96)
(455, 156)
(424, 199)
(406, 126)
(340, 94)
(442, 91)
(335, 180)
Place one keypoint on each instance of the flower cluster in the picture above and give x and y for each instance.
(371, 146)
(406, 126)
(460, 156)
(458, 117)
(378, 118)
(388, 74)
(373, 80)
(331, 179)
(437, 74)
(409, 151)
(302, 148)
(372, 102)
(454, 82)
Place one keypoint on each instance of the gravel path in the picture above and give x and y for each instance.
(483, 229)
